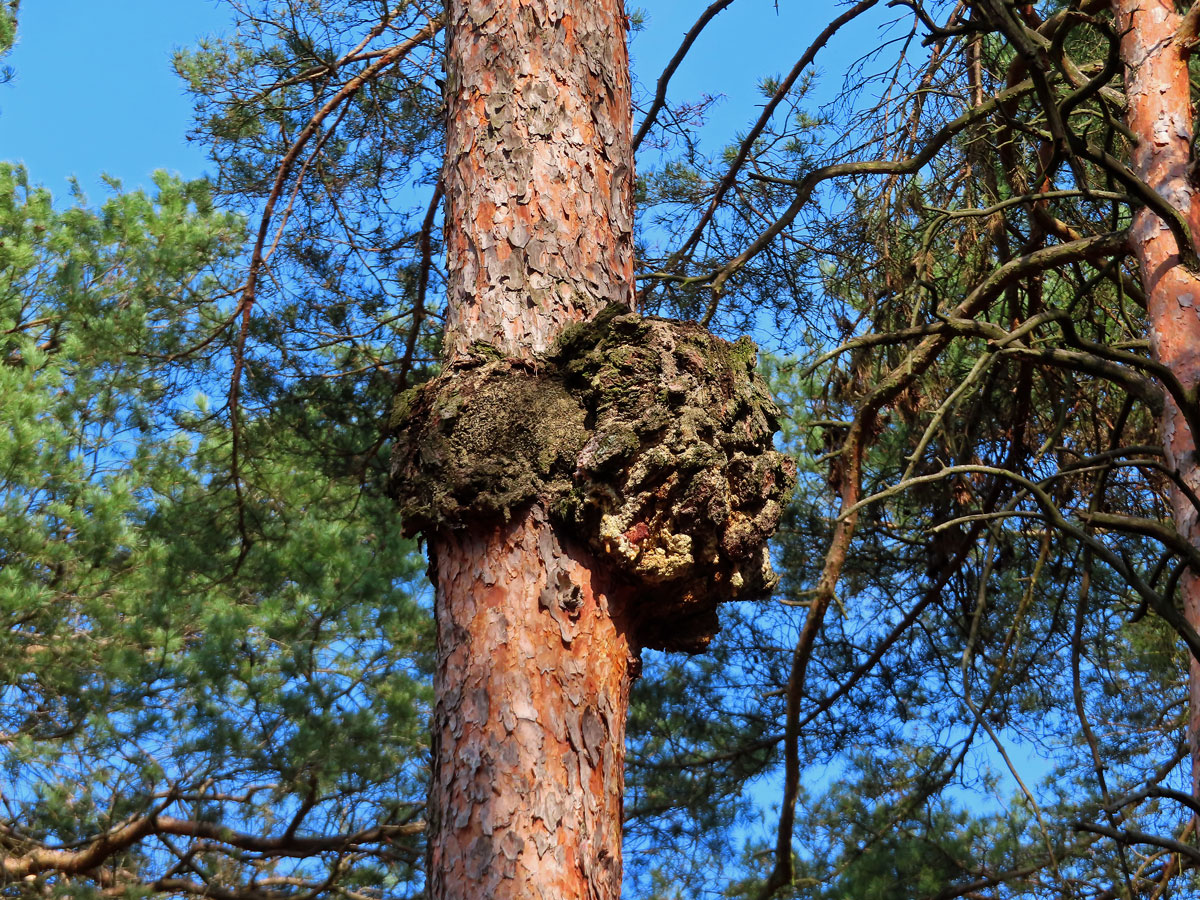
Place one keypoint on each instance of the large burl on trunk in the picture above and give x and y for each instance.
(589, 481)
(579, 506)
(648, 441)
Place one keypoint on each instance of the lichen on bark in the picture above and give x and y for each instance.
(647, 438)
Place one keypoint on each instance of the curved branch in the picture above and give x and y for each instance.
(853, 448)
(660, 94)
(744, 150)
(101, 848)
(1129, 836)
(810, 182)
(257, 256)
(1055, 518)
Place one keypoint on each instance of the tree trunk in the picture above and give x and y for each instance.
(534, 654)
(1159, 113)
(529, 733)
(538, 171)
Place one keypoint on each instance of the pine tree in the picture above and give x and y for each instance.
(573, 522)
(980, 555)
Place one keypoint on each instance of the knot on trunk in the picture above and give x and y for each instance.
(649, 439)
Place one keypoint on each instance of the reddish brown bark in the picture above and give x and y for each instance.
(529, 733)
(538, 169)
(534, 660)
(1159, 113)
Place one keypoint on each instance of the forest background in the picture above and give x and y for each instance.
(216, 668)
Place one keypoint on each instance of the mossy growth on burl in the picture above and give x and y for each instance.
(647, 438)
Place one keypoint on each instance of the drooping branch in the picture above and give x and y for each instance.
(259, 253)
(100, 849)
(853, 448)
(747, 145)
(660, 92)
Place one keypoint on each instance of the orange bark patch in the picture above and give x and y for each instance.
(1159, 113)
(532, 685)
(485, 215)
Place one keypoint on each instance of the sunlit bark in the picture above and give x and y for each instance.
(538, 170)
(534, 659)
(1159, 113)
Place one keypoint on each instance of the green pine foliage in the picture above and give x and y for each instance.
(253, 666)
(8, 34)
(217, 656)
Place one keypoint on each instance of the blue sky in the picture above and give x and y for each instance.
(95, 93)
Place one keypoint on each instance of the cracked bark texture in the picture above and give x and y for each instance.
(538, 171)
(1159, 113)
(529, 728)
(533, 662)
